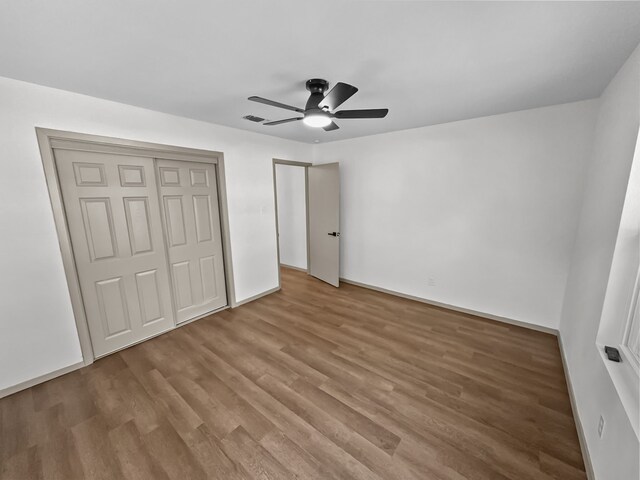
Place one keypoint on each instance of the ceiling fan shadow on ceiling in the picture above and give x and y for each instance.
(319, 110)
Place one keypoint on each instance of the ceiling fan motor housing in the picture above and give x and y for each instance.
(317, 87)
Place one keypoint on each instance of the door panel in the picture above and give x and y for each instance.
(138, 224)
(113, 213)
(202, 214)
(131, 176)
(174, 218)
(207, 270)
(192, 222)
(149, 296)
(182, 284)
(324, 222)
(98, 225)
(113, 307)
(89, 174)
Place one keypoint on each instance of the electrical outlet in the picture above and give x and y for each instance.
(600, 426)
(432, 282)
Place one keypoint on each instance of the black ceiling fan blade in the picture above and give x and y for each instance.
(371, 113)
(339, 94)
(286, 120)
(331, 126)
(266, 101)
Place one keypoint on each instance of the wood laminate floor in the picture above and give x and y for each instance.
(311, 382)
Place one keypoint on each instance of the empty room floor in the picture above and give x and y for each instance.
(311, 382)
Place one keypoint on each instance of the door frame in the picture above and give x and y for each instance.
(48, 139)
(292, 163)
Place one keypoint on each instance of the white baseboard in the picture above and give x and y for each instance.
(256, 297)
(588, 466)
(5, 392)
(191, 320)
(511, 321)
(294, 268)
(50, 376)
(581, 437)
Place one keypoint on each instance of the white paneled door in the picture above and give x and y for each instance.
(113, 214)
(189, 201)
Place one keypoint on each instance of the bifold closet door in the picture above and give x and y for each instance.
(189, 200)
(113, 213)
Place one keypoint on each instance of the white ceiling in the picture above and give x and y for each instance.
(428, 62)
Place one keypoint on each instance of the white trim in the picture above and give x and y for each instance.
(256, 297)
(300, 269)
(511, 321)
(588, 466)
(76, 366)
(291, 163)
(5, 392)
(227, 255)
(626, 383)
(212, 312)
(64, 240)
(627, 354)
(629, 324)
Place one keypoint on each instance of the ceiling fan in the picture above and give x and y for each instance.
(319, 110)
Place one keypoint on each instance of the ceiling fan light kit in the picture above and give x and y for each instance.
(316, 120)
(319, 110)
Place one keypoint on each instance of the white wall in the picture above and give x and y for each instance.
(292, 215)
(37, 330)
(486, 208)
(615, 455)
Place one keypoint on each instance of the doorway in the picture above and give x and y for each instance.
(292, 216)
(143, 230)
(307, 214)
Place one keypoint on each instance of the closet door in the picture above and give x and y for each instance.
(189, 200)
(113, 213)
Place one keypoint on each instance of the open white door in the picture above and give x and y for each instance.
(324, 222)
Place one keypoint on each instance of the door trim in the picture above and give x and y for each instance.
(305, 165)
(49, 139)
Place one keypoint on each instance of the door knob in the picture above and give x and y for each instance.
(334, 234)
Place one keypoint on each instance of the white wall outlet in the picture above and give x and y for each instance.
(600, 426)
(432, 282)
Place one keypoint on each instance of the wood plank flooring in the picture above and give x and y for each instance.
(311, 382)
